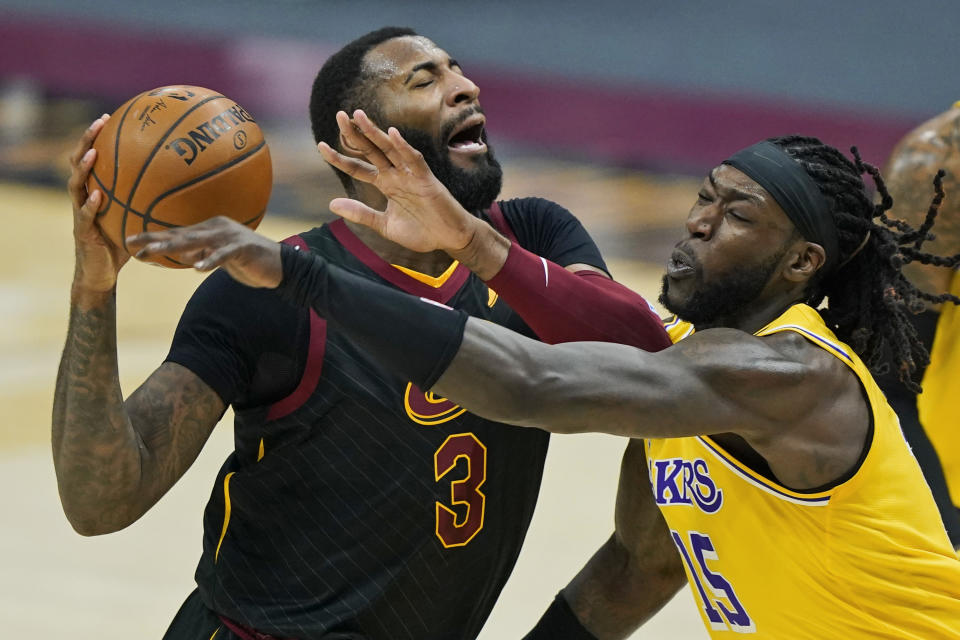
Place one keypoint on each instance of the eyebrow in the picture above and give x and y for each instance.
(429, 65)
(740, 195)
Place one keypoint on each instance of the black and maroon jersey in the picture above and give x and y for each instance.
(355, 504)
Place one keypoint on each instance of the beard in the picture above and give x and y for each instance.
(723, 300)
(475, 189)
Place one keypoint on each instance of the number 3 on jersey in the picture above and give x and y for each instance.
(702, 550)
(464, 491)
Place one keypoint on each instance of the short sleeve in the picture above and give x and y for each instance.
(245, 343)
(551, 231)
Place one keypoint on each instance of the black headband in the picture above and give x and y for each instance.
(795, 192)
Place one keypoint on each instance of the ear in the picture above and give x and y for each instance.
(806, 258)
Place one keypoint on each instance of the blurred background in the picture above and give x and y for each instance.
(614, 109)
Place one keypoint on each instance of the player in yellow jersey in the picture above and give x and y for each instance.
(930, 146)
(765, 467)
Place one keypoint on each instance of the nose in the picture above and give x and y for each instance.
(461, 90)
(702, 221)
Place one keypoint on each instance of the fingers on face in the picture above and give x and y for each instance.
(355, 139)
(385, 143)
(410, 156)
(363, 171)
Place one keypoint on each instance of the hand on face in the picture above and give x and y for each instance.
(421, 214)
(250, 258)
(98, 261)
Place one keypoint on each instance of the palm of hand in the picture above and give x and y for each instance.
(420, 214)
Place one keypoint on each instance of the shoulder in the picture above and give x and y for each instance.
(769, 376)
(534, 208)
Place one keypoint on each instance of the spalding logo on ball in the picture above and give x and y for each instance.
(176, 156)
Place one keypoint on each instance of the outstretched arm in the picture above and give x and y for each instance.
(113, 459)
(708, 383)
(561, 303)
(630, 577)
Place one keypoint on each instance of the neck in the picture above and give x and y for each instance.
(754, 316)
(433, 263)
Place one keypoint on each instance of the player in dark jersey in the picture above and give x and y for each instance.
(355, 505)
(763, 411)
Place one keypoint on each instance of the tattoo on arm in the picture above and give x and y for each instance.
(113, 461)
(909, 176)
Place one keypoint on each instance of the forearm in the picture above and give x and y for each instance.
(558, 305)
(96, 452)
(490, 371)
(613, 594)
(561, 306)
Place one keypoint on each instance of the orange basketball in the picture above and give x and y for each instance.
(176, 156)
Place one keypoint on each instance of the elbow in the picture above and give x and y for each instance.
(95, 521)
(89, 527)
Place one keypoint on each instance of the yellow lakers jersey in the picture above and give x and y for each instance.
(939, 404)
(868, 558)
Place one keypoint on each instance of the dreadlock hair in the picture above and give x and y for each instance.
(342, 85)
(868, 298)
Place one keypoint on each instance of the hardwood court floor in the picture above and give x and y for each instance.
(56, 584)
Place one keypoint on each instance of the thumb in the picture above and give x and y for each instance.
(356, 211)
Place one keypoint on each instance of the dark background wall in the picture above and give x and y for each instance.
(662, 85)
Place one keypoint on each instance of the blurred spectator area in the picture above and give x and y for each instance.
(621, 85)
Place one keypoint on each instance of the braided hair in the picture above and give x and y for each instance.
(868, 297)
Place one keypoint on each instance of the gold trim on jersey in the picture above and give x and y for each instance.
(817, 499)
(226, 513)
(431, 281)
(677, 329)
(260, 452)
(465, 481)
(491, 297)
(214, 634)
(446, 414)
(828, 345)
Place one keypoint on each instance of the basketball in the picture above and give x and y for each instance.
(176, 156)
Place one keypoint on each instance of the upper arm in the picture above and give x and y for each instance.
(638, 569)
(712, 382)
(549, 230)
(579, 266)
(172, 413)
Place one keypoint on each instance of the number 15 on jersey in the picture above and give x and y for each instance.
(717, 588)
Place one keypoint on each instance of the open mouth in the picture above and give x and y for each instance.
(468, 137)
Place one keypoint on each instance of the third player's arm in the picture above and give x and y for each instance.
(713, 382)
(636, 571)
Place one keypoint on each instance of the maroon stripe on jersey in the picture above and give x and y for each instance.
(315, 351)
(500, 222)
(394, 276)
(244, 632)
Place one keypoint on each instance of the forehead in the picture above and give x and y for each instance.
(397, 55)
(734, 183)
